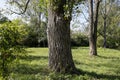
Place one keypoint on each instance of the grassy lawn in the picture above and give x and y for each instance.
(34, 66)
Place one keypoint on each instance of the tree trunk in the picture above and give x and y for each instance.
(93, 12)
(58, 33)
(91, 36)
(104, 43)
(104, 18)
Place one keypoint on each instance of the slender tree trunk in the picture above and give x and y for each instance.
(93, 12)
(104, 44)
(91, 36)
(39, 27)
(58, 33)
(104, 18)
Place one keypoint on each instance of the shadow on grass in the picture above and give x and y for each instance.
(115, 58)
(80, 63)
(86, 48)
(100, 76)
(27, 69)
(74, 47)
(30, 69)
(31, 57)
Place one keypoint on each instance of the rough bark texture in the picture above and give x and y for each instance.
(58, 32)
(93, 12)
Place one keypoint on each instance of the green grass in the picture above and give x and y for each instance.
(34, 66)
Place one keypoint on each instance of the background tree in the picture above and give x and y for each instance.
(93, 22)
(105, 9)
(35, 13)
(109, 29)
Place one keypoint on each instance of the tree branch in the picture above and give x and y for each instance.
(23, 10)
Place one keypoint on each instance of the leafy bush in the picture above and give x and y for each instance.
(100, 41)
(79, 39)
(37, 36)
(11, 36)
(111, 41)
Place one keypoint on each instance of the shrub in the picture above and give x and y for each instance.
(111, 42)
(100, 41)
(11, 36)
(79, 39)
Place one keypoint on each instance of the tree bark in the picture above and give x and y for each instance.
(58, 33)
(93, 13)
(104, 43)
(104, 18)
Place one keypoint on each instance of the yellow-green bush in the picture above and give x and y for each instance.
(11, 36)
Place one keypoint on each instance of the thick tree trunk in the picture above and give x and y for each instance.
(93, 12)
(58, 32)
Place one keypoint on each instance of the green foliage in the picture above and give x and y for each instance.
(112, 36)
(3, 19)
(11, 35)
(36, 36)
(36, 15)
(43, 7)
(64, 7)
(100, 41)
(112, 27)
(79, 39)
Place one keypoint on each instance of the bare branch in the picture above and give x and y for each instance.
(85, 17)
(23, 10)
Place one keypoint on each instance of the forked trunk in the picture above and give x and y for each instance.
(93, 12)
